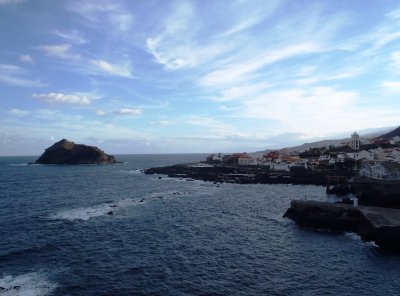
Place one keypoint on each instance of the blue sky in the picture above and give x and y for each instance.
(195, 76)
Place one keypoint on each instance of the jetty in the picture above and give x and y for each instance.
(380, 225)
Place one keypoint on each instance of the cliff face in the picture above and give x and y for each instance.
(67, 152)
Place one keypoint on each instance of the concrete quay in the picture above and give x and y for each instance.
(381, 225)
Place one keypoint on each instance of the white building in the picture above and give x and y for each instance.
(395, 140)
(360, 155)
(380, 170)
(279, 166)
(247, 160)
(396, 155)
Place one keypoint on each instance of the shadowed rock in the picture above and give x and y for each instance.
(67, 152)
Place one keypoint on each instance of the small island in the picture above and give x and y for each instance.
(67, 152)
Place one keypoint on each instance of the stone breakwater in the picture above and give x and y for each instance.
(380, 225)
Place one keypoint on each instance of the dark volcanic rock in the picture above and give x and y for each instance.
(66, 152)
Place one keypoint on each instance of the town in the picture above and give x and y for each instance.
(365, 172)
(368, 167)
(347, 158)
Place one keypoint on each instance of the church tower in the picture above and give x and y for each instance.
(355, 141)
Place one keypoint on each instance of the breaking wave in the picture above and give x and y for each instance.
(29, 284)
(86, 213)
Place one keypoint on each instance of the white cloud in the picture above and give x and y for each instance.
(62, 51)
(129, 111)
(116, 70)
(19, 112)
(26, 58)
(73, 99)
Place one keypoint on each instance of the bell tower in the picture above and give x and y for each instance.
(355, 141)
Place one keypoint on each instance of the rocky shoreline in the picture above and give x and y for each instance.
(236, 174)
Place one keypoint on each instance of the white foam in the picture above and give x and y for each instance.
(371, 244)
(353, 236)
(29, 284)
(134, 172)
(87, 213)
(18, 164)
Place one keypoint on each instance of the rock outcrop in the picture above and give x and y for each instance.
(67, 152)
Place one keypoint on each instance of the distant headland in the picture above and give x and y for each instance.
(67, 152)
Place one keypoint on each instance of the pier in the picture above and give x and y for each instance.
(381, 225)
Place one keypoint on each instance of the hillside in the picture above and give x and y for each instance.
(391, 134)
(364, 135)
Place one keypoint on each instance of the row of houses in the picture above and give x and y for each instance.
(320, 159)
(283, 161)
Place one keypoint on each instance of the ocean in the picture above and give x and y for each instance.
(112, 230)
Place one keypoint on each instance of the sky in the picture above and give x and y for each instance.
(192, 76)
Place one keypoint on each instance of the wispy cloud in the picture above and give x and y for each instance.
(318, 77)
(73, 36)
(4, 2)
(395, 58)
(160, 122)
(241, 92)
(19, 112)
(129, 111)
(178, 44)
(212, 125)
(26, 58)
(62, 51)
(103, 12)
(238, 72)
(100, 112)
(391, 87)
(113, 69)
(121, 112)
(248, 14)
(73, 99)
(315, 112)
(15, 76)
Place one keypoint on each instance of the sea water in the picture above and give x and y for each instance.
(112, 230)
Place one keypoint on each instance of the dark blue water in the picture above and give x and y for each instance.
(56, 237)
